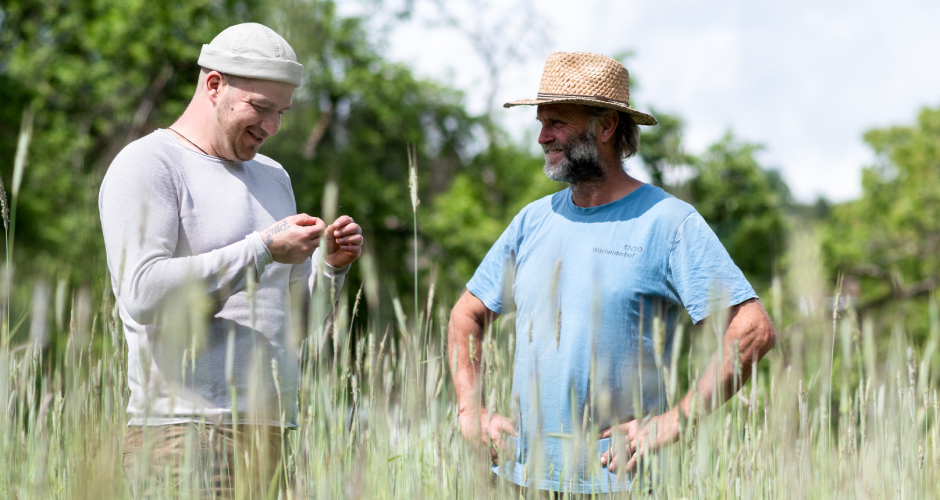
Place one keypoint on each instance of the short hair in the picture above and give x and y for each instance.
(233, 80)
(627, 134)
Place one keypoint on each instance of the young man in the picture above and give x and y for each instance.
(593, 266)
(196, 205)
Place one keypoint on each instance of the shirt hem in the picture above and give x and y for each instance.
(207, 419)
(490, 304)
(732, 301)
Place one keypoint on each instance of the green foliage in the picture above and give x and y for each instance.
(379, 419)
(743, 203)
(352, 121)
(661, 146)
(102, 73)
(888, 241)
(480, 204)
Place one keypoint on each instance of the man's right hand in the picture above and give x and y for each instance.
(293, 239)
(486, 431)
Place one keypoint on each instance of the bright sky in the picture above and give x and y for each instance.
(803, 77)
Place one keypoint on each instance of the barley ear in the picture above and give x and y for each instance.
(413, 176)
(4, 207)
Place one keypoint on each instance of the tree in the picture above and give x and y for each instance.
(352, 121)
(888, 240)
(100, 74)
(743, 203)
(661, 146)
(480, 203)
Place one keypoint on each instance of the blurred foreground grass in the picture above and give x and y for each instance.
(845, 406)
(827, 415)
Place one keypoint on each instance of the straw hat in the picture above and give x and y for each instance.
(585, 78)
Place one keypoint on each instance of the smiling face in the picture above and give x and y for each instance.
(570, 144)
(249, 111)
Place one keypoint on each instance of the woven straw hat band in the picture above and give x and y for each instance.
(585, 78)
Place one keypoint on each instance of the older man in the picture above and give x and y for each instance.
(593, 267)
(196, 205)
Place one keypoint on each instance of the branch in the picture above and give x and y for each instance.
(902, 292)
(319, 130)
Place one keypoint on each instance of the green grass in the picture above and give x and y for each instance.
(378, 415)
(841, 408)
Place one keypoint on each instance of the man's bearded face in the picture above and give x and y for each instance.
(581, 161)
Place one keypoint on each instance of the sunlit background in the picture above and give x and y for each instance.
(807, 134)
(804, 78)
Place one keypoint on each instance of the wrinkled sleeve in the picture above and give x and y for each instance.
(305, 275)
(492, 280)
(701, 273)
(139, 208)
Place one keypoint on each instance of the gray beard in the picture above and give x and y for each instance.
(582, 161)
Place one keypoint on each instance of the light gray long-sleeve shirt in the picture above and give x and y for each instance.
(181, 231)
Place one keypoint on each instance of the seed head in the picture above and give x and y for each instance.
(4, 208)
(413, 176)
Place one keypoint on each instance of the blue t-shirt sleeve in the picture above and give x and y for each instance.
(700, 269)
(489, 281)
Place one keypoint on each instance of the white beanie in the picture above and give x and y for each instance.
(252, 50)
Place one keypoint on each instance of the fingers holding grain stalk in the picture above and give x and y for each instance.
(343, 242)
(293, 239)
(487, 431)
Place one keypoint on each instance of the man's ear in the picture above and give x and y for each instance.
(608, 126)
(213, 85)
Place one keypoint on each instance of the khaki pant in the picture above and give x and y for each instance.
(206, 461)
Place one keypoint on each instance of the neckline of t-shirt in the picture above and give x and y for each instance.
(214, 159)
(601, 208)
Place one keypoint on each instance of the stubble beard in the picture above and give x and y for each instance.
(582, 161)
(231, 131)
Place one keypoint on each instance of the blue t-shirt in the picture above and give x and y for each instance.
(585, 283)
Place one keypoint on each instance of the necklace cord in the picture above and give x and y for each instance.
(189, 141)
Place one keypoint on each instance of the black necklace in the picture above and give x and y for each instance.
(189, 141)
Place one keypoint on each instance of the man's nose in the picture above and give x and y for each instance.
(545, 135)
(271, 124)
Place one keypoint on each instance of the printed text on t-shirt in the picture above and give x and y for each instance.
(629, 251)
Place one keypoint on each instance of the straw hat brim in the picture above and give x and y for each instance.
(638, 116)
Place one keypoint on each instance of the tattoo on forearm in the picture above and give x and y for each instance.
(277, 228)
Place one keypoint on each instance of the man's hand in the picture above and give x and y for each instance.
(293, 239)
(639, 440)
(343, 242)
(749, 336)
(486, 431)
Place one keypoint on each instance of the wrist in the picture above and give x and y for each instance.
(331, 264)
(669, 423)
(329, 270)
(465, 410)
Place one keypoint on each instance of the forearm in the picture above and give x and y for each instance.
(464, 346)
(748, 338)
(718, 384)
(151, 275)
(464, 339)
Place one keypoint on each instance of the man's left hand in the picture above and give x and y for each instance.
(343, 242)
(640, 440)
